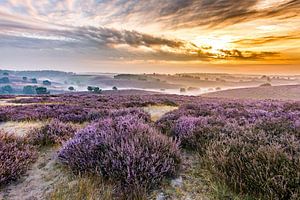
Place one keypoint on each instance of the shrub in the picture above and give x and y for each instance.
(125, 150)
(255, 163)
(15, 157)
(193, 132)
(55, 132)
(277, 125)
(139, 113)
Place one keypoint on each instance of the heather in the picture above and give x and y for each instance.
(80, 107)
(246, 147)
(124, 149)
(266, 167)
(15, 157)
(253, 146)
(53, 132)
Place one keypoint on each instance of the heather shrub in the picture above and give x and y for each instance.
(125, 150)
(277, 126)
(196, 133)
(138, 113)
(55, 132)
(15, 157)
(255, 163)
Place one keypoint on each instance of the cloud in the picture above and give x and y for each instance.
(108, 29)
(267, 39)
(174, 14)
(117, 43)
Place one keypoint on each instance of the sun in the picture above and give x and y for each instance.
(215, 43)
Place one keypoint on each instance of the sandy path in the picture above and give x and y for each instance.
(38, 181)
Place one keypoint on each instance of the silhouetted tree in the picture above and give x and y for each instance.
(97, 90)
(24, 78)
(115, 88)
(90, 88)
(71, 88)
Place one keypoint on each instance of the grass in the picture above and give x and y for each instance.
(217, 189)
(83, 188)
(20, 128)
(198, 183)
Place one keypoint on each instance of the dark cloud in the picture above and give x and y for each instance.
(267, 39)
(246, 55)
(93, 40)
(212, 13)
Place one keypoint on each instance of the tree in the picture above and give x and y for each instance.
(33, 80)
(5, 74)
(90, 88)
(4, 80)
(24, 78)
(7, 89)
(71, 88)
(97, 90)
(28, 89)
(115, 88)
(42, 90)
(46, 82)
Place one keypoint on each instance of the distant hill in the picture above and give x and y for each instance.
(37, 73)
(285, 92)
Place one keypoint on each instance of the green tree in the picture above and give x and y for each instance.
(4, 80)
(42, 90)
(90, 88)
(7, 89)
(97, 90)
(33, 80)
(46, 82)
(28, 89)
(71, 88)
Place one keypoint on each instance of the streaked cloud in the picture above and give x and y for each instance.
(206, 31)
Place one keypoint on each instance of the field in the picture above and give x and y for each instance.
(142, 145)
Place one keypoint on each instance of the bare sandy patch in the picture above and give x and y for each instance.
(157, 111)
(20, 128)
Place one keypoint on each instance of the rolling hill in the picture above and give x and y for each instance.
(285, 92)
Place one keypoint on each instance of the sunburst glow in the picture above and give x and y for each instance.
(77, 33)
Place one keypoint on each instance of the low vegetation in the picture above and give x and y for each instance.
(126, 150)
(54, 132)
(15, 157)
(244, 149)
(253, 148)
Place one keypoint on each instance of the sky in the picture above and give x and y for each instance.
(146, 36)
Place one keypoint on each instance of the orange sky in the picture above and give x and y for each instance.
(245, 36)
